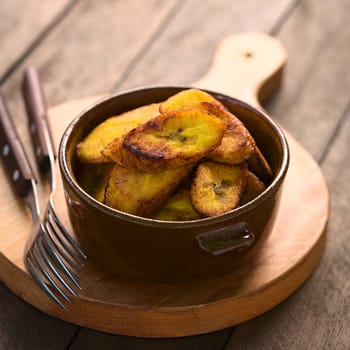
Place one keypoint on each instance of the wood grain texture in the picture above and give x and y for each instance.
(22, 21)
(316, 97)
(184, 50)
(91, 48)
(316, 316)
(23, 327)
(88, 339)
(316, 89)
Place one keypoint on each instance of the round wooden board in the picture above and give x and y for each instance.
(141, 308)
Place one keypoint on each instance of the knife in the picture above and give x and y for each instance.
(15, 160)
(39, 128)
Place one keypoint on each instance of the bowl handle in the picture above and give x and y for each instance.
(235, 237)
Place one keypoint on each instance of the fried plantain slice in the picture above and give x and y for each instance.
(260, 167)
(237, 145)
(171, 140)
(141, 193)
(234, 149)
(253, 187)
(177, 208)
(93, 179)
(217, 188)
(111, 151)
(186, 98)
(89, 150)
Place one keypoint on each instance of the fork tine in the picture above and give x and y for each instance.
(42, 284)
(62, 250)
(64, 231)
(46, 258)
(52, 251)
(47, 275)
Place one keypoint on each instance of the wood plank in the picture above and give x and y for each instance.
(88, 339)
(185, 49)
(21, 23)
(90, 49)
(316, 85)
(314, 105)
(316, 316)
(23, 327)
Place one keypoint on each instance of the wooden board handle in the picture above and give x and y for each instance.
(247, 66)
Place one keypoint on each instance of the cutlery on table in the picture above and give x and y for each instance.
(45, 157)
(52, 257)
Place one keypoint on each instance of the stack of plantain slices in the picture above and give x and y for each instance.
(183, 159)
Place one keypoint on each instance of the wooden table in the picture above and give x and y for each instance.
(88, 47)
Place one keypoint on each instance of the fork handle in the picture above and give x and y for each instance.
(35, 103)
(14, 158)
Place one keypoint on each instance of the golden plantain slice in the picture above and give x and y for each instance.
(111, 151)
(93, 179)
(89, 150)
(217, 188)
(171, 140)
(234, 149)
(178, 207)
(253, 187)
(260, 167)
(141, 193)
(187, 98)
(237, 145)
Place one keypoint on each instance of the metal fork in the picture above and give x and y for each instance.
(45, 157)
(47, 262)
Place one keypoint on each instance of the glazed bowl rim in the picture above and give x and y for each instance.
(83, 195)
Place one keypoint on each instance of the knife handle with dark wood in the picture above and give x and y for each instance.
(35, 103)
(14, 158)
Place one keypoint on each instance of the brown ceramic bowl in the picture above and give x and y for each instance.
(166, 250)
